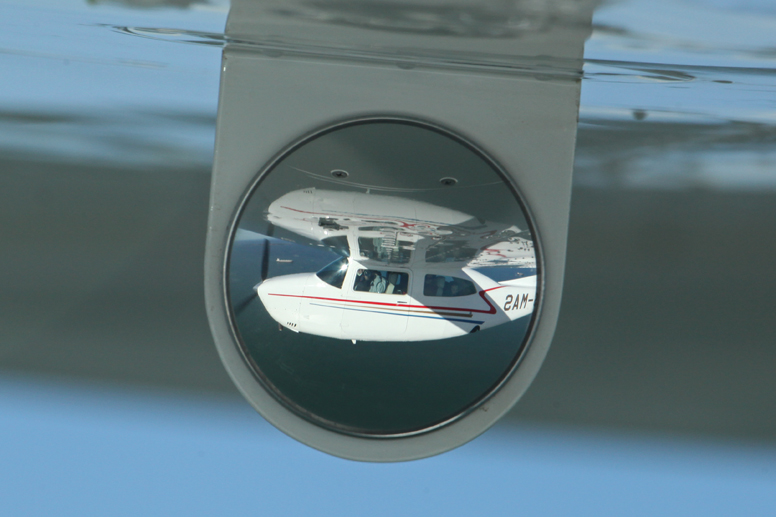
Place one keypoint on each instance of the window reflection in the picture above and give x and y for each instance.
(334, 273)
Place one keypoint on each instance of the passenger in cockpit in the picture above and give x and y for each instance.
(440, 286)
(378, 284)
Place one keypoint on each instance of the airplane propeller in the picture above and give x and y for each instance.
(265, 254)
(265, 260)
(264, 271)
(239, 307)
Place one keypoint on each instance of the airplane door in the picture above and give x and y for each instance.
(376, 305)
(452, 305)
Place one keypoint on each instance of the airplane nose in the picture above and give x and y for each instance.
(261, 287)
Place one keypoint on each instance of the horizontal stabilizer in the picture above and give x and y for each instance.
(526, 281)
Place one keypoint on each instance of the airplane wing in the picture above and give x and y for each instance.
(515, 252)
(400, 230)
(479, 244)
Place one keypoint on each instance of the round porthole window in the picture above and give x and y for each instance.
(382, 278)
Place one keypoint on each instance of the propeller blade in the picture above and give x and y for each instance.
(265, 261)
(239, 307)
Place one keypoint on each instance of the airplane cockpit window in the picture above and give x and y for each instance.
(383, 282)
(439, 285)
(338, 244)
(334, 273)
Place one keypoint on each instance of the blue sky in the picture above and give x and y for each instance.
(82, 449)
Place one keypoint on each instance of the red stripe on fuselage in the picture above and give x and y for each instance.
(402, 222)
(492, 309)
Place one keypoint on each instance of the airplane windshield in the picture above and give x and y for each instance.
(334, 273)
(383, 282)
(439, 285)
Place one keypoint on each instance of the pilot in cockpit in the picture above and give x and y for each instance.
(363, 280)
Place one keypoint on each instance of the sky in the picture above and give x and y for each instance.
(72, 448)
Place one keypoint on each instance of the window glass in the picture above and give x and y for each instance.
(338, 243)
(383, 282)
(334, 273)
(440, 285)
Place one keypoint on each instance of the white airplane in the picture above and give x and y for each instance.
(407, 270)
